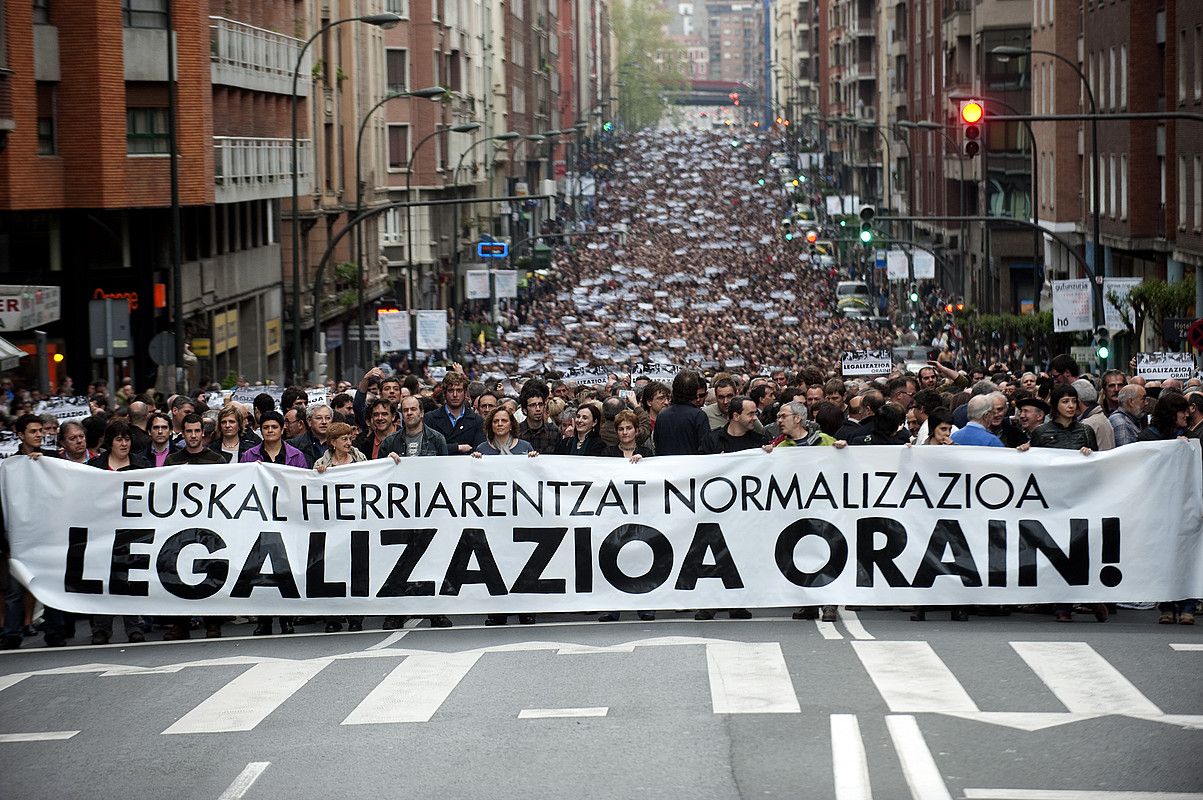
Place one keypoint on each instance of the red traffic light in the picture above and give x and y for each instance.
(812, 237)
(972, 112)
(948, 308)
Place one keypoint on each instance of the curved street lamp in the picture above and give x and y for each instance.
(429, 93)
(386, 20)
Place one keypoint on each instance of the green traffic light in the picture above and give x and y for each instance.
(1104, 351)
(789, 237)
(866, 236)
(843, 223)
(914, 297)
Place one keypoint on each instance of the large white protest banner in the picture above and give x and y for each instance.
(476, 284)
(1115, 293)
(431, 329)
(799, 526)
(1073, 305)
(925, 266)
(867, 362)
(1160, 366)
(897, 267)
(64, 408)
(394, 330)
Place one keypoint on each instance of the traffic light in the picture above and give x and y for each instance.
(972, 113)
(866, 223)
(760, 182)
(914, 293)
(812, 237)
(1102, 343)
(785, 226)
(607, 127)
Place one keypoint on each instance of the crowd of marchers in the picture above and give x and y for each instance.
(404, 417)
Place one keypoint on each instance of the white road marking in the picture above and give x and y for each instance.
(1082, 680)
(391, 639)
(747, 678)
(12, 680)
(1188, 646)
(44, 736)
(246, 701)
(551, 713)
(413, 622)
(911, 677)
(854, 626)
(245, 780)
(922, 775)
(848, 761)
(1074, 794)
(1023, 720)
(828, 630)
(414, 690)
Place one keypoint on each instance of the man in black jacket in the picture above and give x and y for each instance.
(683, 429)
(460, 425)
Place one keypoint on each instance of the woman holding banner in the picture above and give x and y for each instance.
(1064, 432)
(626, 427)
(501, 440)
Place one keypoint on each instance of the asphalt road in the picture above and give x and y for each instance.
(875, 706)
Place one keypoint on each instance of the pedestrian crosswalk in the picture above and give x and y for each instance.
(909, 677)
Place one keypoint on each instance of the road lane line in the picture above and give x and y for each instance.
(911, 677)
(389, 640)
(246, 701)
(922, 775)
(12, 680)
(245, 780)
(853, 624)
(552, 713)
(1188, 646)
(44, 736)
(1074, 794)
(1083, 680)
(848, 762)
(747, 678)
(414, 690)
(828, 630)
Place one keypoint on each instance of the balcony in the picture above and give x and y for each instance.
(246, 168)
(254, 58)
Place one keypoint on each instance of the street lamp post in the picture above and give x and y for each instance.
(385, 20)
(432, 93)
(507, 136)
(1004, 52)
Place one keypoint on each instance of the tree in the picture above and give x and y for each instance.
(649, 63)
(1154, 300)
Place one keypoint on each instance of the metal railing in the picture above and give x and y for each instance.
(237, 44)
(262, 166)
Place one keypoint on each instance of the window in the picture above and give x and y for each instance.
(1198, 62)
(1102, 186)
(46, 98)
(144, 13)
(1123, 76)
(1198, 204)
(1181, 193)
(398, 7)
(517, 99)
(1181, 72)
(146, 131)
(1112, 202)
(1111, 81)
(454, 76)
(398, 146)
(396, 63)
(41, 12)
(1123, 186)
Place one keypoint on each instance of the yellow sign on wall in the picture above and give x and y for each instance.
(219, 333)
(272, 336)
(202, 348)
